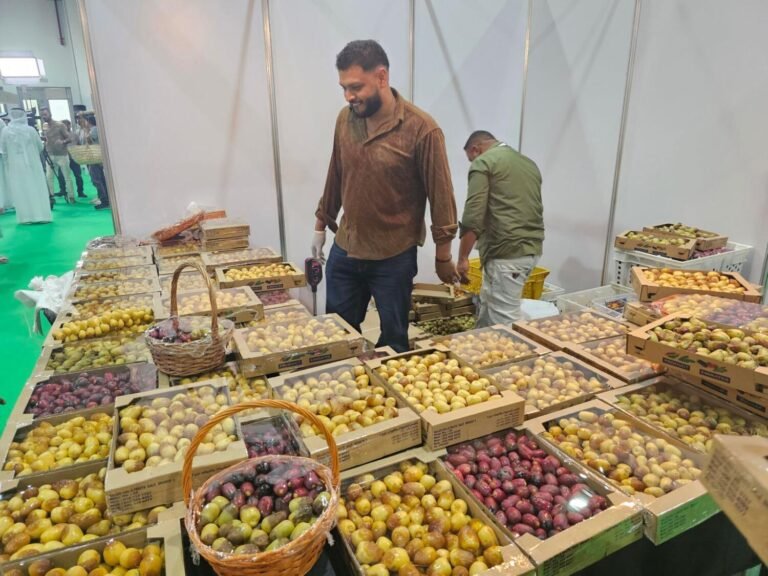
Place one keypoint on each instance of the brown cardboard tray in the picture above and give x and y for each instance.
(85, 278)
(648, 291)
(139, 353)
(639, 314)
(441, 430)
(234, 257)
(169, 264)
(224, 244)
(366, 444)
(257, 363)
(87, 264)
(224, 228)
(641, 370)
(178, 248)
(295, 279)
(80, 292)
(677, 252)
(752, 403)
(112, 252)
(251, 309)
(88, 308)
(710, 241)
(664, 517)
(532, 328)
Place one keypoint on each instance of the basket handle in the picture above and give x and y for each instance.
(211, 296)
(186, 472)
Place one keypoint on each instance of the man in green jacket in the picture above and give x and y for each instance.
(504, 216)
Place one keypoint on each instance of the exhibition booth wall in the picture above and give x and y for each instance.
(185, 88)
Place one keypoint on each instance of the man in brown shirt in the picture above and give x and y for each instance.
(388, 159)
(57, 139)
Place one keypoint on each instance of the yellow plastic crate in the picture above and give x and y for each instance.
(533, 289)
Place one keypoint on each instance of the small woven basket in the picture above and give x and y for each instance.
(298, 556)
(86, 154)
(188, 358)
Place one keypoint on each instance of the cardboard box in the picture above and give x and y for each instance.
(750, 402)
(366, 444)
(88, 308)
(678, 252)
(84, 277)
(453, 344)
(737, 478)
(515, 563)
(162, 484)
(664, 384)
(531, 328)
(648, 291)
(139, 352)
(639, 344)
(286, 312)
(640, 314)
(95, 265)
(168, 534)
(253, 309)
(295, 279)
(533, 411)
(178, 248)
(580, 545)
(114, 252)
(16, 432)
(224, 244)
(255, 363)
(189, 281)
(441, 430)
(80, 292)
(224, 228)
(141, 375)
(709, 240)
(157, 309)
(169, 264)
(432, 293)
(642, 371)
(664, 517)
(239, 257)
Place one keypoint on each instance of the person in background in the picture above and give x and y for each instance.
(57, 138)
(21, 147)
(97, 170)
(505, 217)
(74, 166)
(5, 194)
(388, 160)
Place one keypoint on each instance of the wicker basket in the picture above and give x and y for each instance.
(188, 358)
(86, 154)
(298, 556)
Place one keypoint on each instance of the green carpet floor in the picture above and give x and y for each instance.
(38, 250)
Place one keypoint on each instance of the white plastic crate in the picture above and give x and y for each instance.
(732, 261)
(551, 292)
(576, 301)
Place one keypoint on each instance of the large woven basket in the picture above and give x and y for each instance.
(298, 556)
(202, 355)
(86, 154)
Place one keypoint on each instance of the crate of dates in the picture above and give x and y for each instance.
(115, 275)
(265, 277)
(660, 473)
(654, 283)
(436, 528)
(241, 388)
(236, 304)
(685, 413)
(367, 421)
(52, 395)
(88, 308)
(233, 257)
(168, 264)
(90, 264)
(488, 347)
(152, 433)
(81, 291)
(557, 332)
(552, 382)
(563, 519)
(270, 432)
(610, 355)
(62, 508)
(90, 354)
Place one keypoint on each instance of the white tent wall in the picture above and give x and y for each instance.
(185, 110)
(469, 76)
(696, 134)
(576, 76)
(307, 35)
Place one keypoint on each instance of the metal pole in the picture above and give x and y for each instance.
(525, 73)
(622, 134)
(111, 192)
(269, 61)
(411, 49)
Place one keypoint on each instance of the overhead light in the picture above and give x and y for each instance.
(21, 67)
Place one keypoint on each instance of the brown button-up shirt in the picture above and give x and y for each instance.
(57, 138)
(383, 180)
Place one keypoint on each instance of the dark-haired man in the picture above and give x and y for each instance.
(505, 217)
(388, 159)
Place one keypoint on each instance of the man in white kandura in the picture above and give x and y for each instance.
(21, 147)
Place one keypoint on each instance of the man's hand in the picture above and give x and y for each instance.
(318, 241)
(446, 271)
(462, 270)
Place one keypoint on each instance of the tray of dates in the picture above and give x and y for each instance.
(188, 282)
(88, 308)
(685, 413)
(90, 354)
(610, 355)
(115, 275)
(241, 388)
(235, 257)
(653, 283)
(556, 332)
(454, 401)
(115, 323)
(261, 277)
(100, 290)
(236, 304)
(558, 515)
(367, 420)
(89, 264)
(638, 459)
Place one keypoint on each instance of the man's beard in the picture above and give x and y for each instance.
(370, 107)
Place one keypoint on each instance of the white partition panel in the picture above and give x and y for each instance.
(576, 77)
(307, 35)
(696, 136)
(182, 85)
(469, 76)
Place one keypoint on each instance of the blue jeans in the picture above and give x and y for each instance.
(352, 282)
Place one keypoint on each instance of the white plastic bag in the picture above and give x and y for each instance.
(535, 309)
(45, 293)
